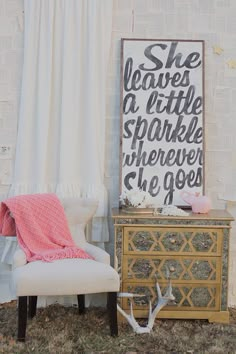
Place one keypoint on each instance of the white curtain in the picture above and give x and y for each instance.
(61, 128)
(61, 132)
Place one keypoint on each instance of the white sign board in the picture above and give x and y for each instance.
(162, 145)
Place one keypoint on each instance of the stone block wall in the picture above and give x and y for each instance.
(11, 56)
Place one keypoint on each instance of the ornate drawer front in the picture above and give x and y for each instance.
(182, 269)
(184, 240)
(194, 297)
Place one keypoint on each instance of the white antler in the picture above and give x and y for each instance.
(132, 321)
(162, 301)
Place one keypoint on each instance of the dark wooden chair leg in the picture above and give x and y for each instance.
(81, 303)
(112, 311)
(22, 318)
(32, 306)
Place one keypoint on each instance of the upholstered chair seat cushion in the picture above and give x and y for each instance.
(97, 253)
(65, 277)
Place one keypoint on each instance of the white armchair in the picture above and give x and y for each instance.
(67, 276)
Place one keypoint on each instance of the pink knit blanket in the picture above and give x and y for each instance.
(41, 227)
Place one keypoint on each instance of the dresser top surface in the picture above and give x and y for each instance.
(214, 214)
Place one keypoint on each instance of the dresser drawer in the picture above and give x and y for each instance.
(188, 297)
(182, 269)
(182, 240)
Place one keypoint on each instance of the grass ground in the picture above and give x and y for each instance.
(61, 330)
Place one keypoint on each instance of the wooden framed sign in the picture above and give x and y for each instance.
(162, 118)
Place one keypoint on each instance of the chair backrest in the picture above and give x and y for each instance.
(79, 211)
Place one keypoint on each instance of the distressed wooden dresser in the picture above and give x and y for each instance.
(193, 247)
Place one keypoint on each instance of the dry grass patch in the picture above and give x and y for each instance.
(61, 330)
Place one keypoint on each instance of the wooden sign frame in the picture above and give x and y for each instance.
(162, 118)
